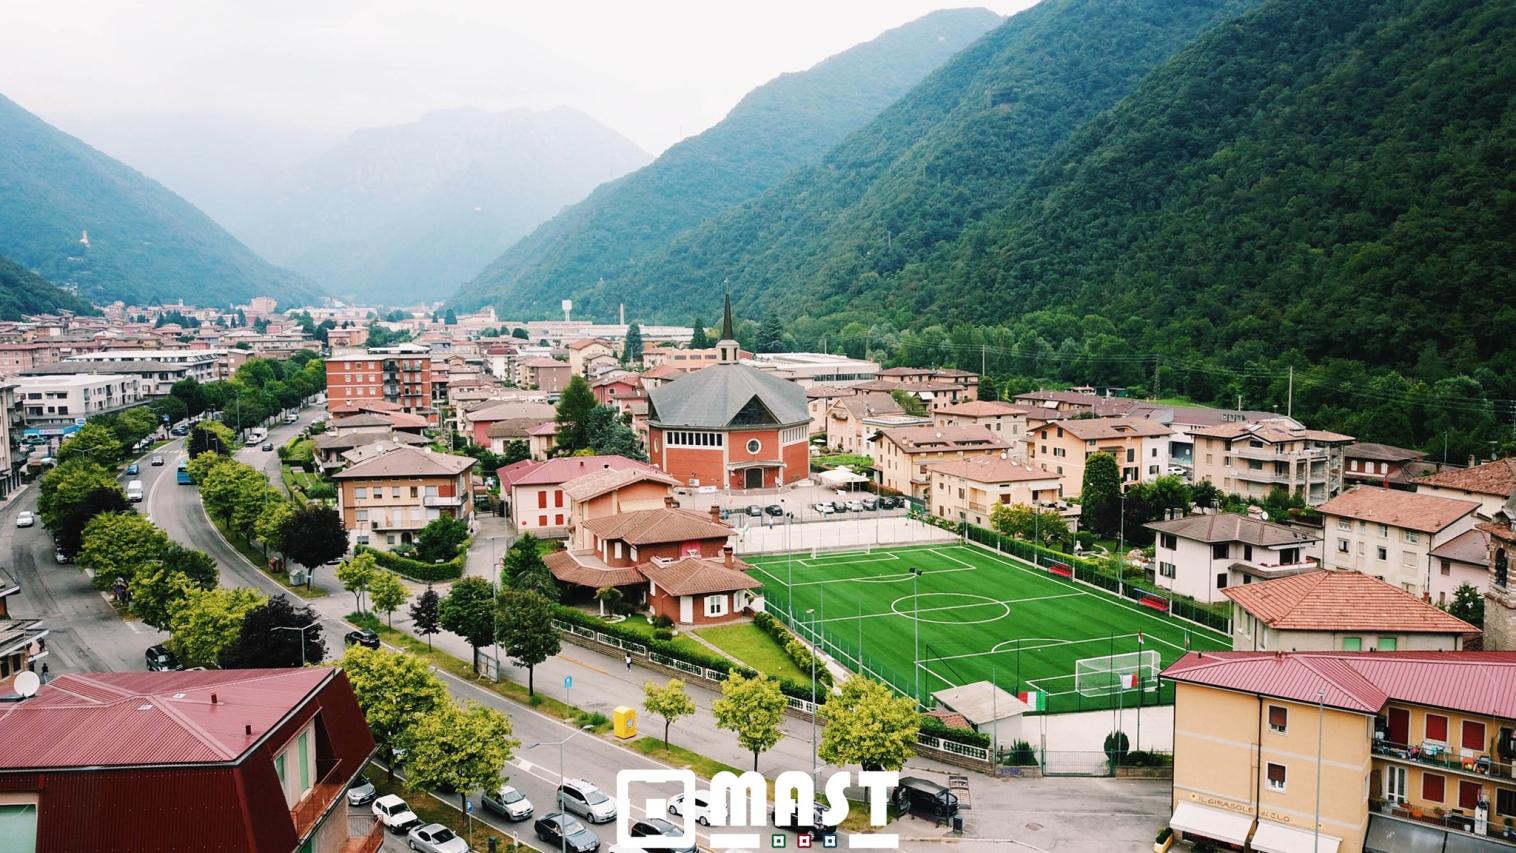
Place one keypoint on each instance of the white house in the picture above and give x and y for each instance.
(1199, 556)
(1390, 534)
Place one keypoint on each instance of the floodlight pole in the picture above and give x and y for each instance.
(916, 620)
(302, 631)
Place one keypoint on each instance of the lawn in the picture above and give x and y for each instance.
(747, 642)
(981, 616)
(644, 628)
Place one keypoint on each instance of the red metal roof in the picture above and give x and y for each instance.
(1472, 682)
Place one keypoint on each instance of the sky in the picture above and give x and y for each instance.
(655, 71)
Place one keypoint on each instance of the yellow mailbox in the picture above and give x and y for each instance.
(625, 722)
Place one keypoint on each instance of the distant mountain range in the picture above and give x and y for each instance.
(144, 244)
(780, 126)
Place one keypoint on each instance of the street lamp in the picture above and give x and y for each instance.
(812, 614)
(916, 621)
(302, 636)
(562, 836)
(1320, 719)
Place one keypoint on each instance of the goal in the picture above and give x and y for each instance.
(1102, 676)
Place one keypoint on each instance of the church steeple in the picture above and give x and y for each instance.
(728, 350)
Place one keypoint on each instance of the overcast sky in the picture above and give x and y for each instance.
(655, 71)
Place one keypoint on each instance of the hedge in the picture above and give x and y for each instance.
(796, 650)
(416, 569)
(935, 727)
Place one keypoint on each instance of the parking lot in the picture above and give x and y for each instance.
(797, 502)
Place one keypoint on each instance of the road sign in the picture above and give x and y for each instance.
(568, 682)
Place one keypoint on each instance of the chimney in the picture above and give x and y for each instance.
(247, 729)
(715, 513)
(726, 555)
(213, 698)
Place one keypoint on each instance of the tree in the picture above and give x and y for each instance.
(771, 334)
(574, 409)
(157, 592)
(276, 635)
(117, 544)
(909, 402)
(188, 392)
(271, 521)
(699, 340)
(1029, 523)
(94, 442)
(1205, 494)
(609, 435)
(210, 437)
(441, 538)
(450, 318)
(208, 621)
(515, 450)
(524, 627)
(460, 750)
(520, 333)
(669, 702)
(73, 493)
(631, 352)
(469, 611)
(425, 615)
(313, 535)
(197, 566)
(523, 568)
(1100, 495)
(396, 691)
(1468, 605)
(867, 724)
(753, 708)
(387, 593)
(356, 574)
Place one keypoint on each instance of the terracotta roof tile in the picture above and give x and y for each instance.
(1409, 510)
(1491, 478)
(1231, 527)
(945, 438)
(649, 526)
(983, 409)
(565, 567)
(991, 469)
(699, 576)
(1381, 452)
(1094, 429)
(1341, 601)
(605, 480)
(408, 462)
(562, 469)
(1470, 546)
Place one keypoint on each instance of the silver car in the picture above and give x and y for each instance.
(507, 802)
(584, 799)
(435, 838)
(361, 792)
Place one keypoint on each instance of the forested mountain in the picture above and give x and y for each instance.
(145, 243)
(24, 292)
(786, 123)
(408, 213)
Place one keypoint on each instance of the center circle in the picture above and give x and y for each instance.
(928, 609)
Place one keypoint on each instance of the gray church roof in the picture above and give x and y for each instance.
(713, 397)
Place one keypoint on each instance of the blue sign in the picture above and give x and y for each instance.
(568, 682)
(468, 806)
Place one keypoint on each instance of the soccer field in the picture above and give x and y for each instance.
(982, 616)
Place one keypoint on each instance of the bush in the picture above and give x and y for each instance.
(663, 621)
(1163, 835)
(416, 569)
(938, 729)
(1020, 754)
(664, 634)
(793, 647)
(1143, 758)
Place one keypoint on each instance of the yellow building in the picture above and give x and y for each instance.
(1413, 750)
(901, 455)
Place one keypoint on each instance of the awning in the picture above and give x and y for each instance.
(1278, 838)
(841, 477)
(1196, 819)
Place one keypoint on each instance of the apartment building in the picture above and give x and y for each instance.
(157, 377)
(1200, 556)
(23, 642)
(18, 357)
(385, 500)
(902, 455)
(1253, 458)
(1141, 447)
(1373, 464)
(53, 401)
(400, 374)
(968, 489)
(1390, 534)
(819, 399)
(1491, 484)
(1327, 611)
(537, 491)
(591, 356)
(199, 364)
(545, 374)
(846, 431)
(1412, 750)
(1006, 420)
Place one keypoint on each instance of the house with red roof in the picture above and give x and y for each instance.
(1338, 611)
(1390, 534)
(538, 501)
(228, 760)
(1490, 484)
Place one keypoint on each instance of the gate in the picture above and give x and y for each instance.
(1074, 763)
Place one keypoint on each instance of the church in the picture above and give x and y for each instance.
(729, 425)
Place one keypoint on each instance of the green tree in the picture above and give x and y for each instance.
(276, 635)
(524, 627)
(574, 408)
(631, 352)
(609, 435)
(271, 521)
(460, 750)
(670, 702)
(523, 568)
(157, 592)
(426, 614)
(188, 392)
(909, 402)
(117, 544)
(1100, 495)
(520, 333)
(754, 709)
(1468, 605)
(210, 437)
(94, 442)
(1206, 495)
(208, 621)
(441, 538)
(469, 611)
(396, 691)
(1046, 527)
(313, 535)
(771, 334)
(356, 574)
(699, 339)
(388, 593)
(515, 450)
(867, 724)
(71, 494)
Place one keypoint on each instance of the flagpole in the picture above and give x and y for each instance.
(1138, 744)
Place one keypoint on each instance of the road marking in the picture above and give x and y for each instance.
(589, 666)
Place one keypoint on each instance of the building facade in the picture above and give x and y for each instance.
(1253, 458)
(968, 489)
(54, 401)
(1390, 534)
(1140, 447)
(1200, 556)
(1338, 611)
(904, 455)
(385, 500)
(400, 374)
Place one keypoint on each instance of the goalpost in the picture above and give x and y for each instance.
(1102, 676)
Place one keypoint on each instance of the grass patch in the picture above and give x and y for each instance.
(747, 642)
(638, 624)
(254, 555)
(441, 809)
(677, 756)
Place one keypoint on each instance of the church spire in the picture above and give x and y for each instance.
(727, 330)
(728, 352)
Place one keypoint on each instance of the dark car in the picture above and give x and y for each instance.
(133, 469)
(925, 797)
(559, 829)
(870, 504)
(839, 506)
(160, 659)
(755, 511)
(361, 637)
(268, 445)
(656, 827)
(774, 509)
(888, 502)
(816, 829)
(179, 431)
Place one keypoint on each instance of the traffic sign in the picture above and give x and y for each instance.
(568, 682)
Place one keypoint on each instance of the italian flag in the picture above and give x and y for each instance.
(1035, 700)
(1128, 680)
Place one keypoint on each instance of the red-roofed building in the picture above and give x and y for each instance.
(1338, 611)
(231, 760)
(539, 503)
(1390, 534)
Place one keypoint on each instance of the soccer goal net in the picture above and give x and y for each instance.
(1103, 676)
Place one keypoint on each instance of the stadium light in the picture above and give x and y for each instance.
(916, 621)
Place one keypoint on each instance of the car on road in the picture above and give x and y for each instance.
(698, 805)
(25, 519)
(558, 829)
(755, 511)
(507, 802)
(584, 799)
(816, 829)
(657, 827)
(180, 431)
(160, 659)
(435, 838)
(267, 446)
(60, 557)
(134, 491)
(361, 637)
(361, 792)
(774, 510)
(823, 507)
(134, 468)
(156, 461)
(396, 816)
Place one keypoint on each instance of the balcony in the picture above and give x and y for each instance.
(365, 834)
(309, 810)
(1270, 453)
(1478, 765)
(443, 500)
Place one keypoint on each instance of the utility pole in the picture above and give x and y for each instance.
(981, 359)
(1289, 400)
(1156, 395)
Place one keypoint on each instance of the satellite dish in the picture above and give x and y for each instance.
(26, 684)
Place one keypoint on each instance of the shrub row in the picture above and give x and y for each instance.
(938, 729)
(797, 651)
(419, 571)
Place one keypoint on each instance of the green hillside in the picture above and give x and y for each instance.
(145, 243)
(786, 123)
(24, 292)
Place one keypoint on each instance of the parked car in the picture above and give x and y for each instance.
(839, 506)
(558, 829)
(774, 510)
(508, 803)
(816, 829)
(888, 502)
(435, 838)
(25, 519)
(870, 504)
(180, 431)
(584, 799)
(361, 637)
(698, 805)
(755, 511)
(268, 445)
(824, 508)
(361, 792)
(61, 557)
(396, 816)
(657, 827)
(855, 506)
(156, 461)
(133, 468)
(160, 659)
(1179, 471)
(925, 797)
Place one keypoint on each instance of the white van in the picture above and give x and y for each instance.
(134, 491)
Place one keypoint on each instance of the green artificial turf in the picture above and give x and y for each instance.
(982, 616)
